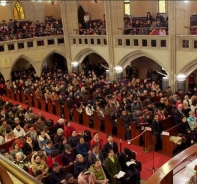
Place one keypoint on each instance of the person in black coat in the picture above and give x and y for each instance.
(178, 114)
(110, 144)
(131, 170)
(184, 129)
(157, 129)
(30, 145)
(80, 164)
(58, 174)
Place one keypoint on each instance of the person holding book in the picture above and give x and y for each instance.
(113, 168)
(129, 165)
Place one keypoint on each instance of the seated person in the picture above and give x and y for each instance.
(80, 164)
(112, 168)
(131, 170)
(42, 155)
(43, 138)
(110, 144)
(2, 140)
(96, 139)
(70, 179)
(59, 136)
(62, 145)
(68, 156)
(32, 132)
(58, 174)
(85, 178)
(5, 154)
(15, 149)
(9, 135)
(30, 145)
(22, 162)
(18, 131)
(73, 139)
(54, 157)
(96, 154)
(39, 164)
(68, 129)
(39, 176)
(83, 147)
(49, 147)
(98, 173)
(192, 121)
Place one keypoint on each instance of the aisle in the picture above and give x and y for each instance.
(144, 158)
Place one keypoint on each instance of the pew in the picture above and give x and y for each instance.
(36, 103)
(29, 99)
(12, 91)
(75, 114)
(168, 123)
(120, 129)
(7, 145)
(8, 94)
(148, 140)
(58, 109)
(42, 103)
(18, 96)
(66, 112)
(50, 106)
(167, 145)
(108, 124)
(135, 132)
(23, 97)
(97, 121)
(86, 118)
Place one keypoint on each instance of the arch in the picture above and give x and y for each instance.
(81, 13)
(51, 53)
(85, 52)
(189, 68)
(136, 54)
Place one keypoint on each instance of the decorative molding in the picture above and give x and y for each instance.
(5, 62)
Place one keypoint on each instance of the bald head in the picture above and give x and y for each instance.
(180, 107)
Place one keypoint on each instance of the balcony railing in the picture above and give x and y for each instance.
(187, 43)
(89, 40)
(141, 41)
(31, 43)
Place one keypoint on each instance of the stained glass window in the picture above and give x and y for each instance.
(162, 6)
(19, 13)
(127, 7)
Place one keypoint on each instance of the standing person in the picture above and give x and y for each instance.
(86, 19)
(178, 114)
(157, 129)
(68, 129)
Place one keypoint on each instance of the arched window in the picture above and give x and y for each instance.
(127, 7)
(162, 6)
(19, 13)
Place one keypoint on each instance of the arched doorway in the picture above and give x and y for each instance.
(81, 14)
(95, 63)
(55, 60)
(22, 69)
(140, 66)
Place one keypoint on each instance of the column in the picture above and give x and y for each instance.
(181, 82)
(70, 22)
(114, 12)
(165, 83)
(119, 72)
(75, 66)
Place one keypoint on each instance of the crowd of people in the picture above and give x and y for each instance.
(146, 26)
(13, 30)
(132, 99)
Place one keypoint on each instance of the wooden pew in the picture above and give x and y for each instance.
(58, 109)
(86, 118)
(135, 132)
(120, 129)
(108, 124)
(75, 114)
(167, 123)
(12, 91)
(7, 145)
(8, 94)
(97, 121)
(29, 99)
(18, 96)
(167, 145)
(23, 97)
(148, 141)
(36, 103)
(50, 106)
(66, 112)
(43, 103)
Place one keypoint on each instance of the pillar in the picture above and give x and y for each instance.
(75, 66)
(165, 83)
(181, 82)
(119, 72)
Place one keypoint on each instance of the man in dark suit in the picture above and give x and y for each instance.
(96, 154)
(110, 144)
(178, 114)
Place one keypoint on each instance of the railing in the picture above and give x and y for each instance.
(91, 40)
(17, 172)
(31, 43)
(187, 42)
(141, 41)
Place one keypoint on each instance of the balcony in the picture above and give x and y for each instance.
(13, 46)
(187, 43)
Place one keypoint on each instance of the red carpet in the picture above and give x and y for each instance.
(145, 158)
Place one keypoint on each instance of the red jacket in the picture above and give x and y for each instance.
(67, 131)
(51, 160)
(100, 142)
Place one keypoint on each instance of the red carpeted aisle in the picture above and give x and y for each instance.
(145, 158)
